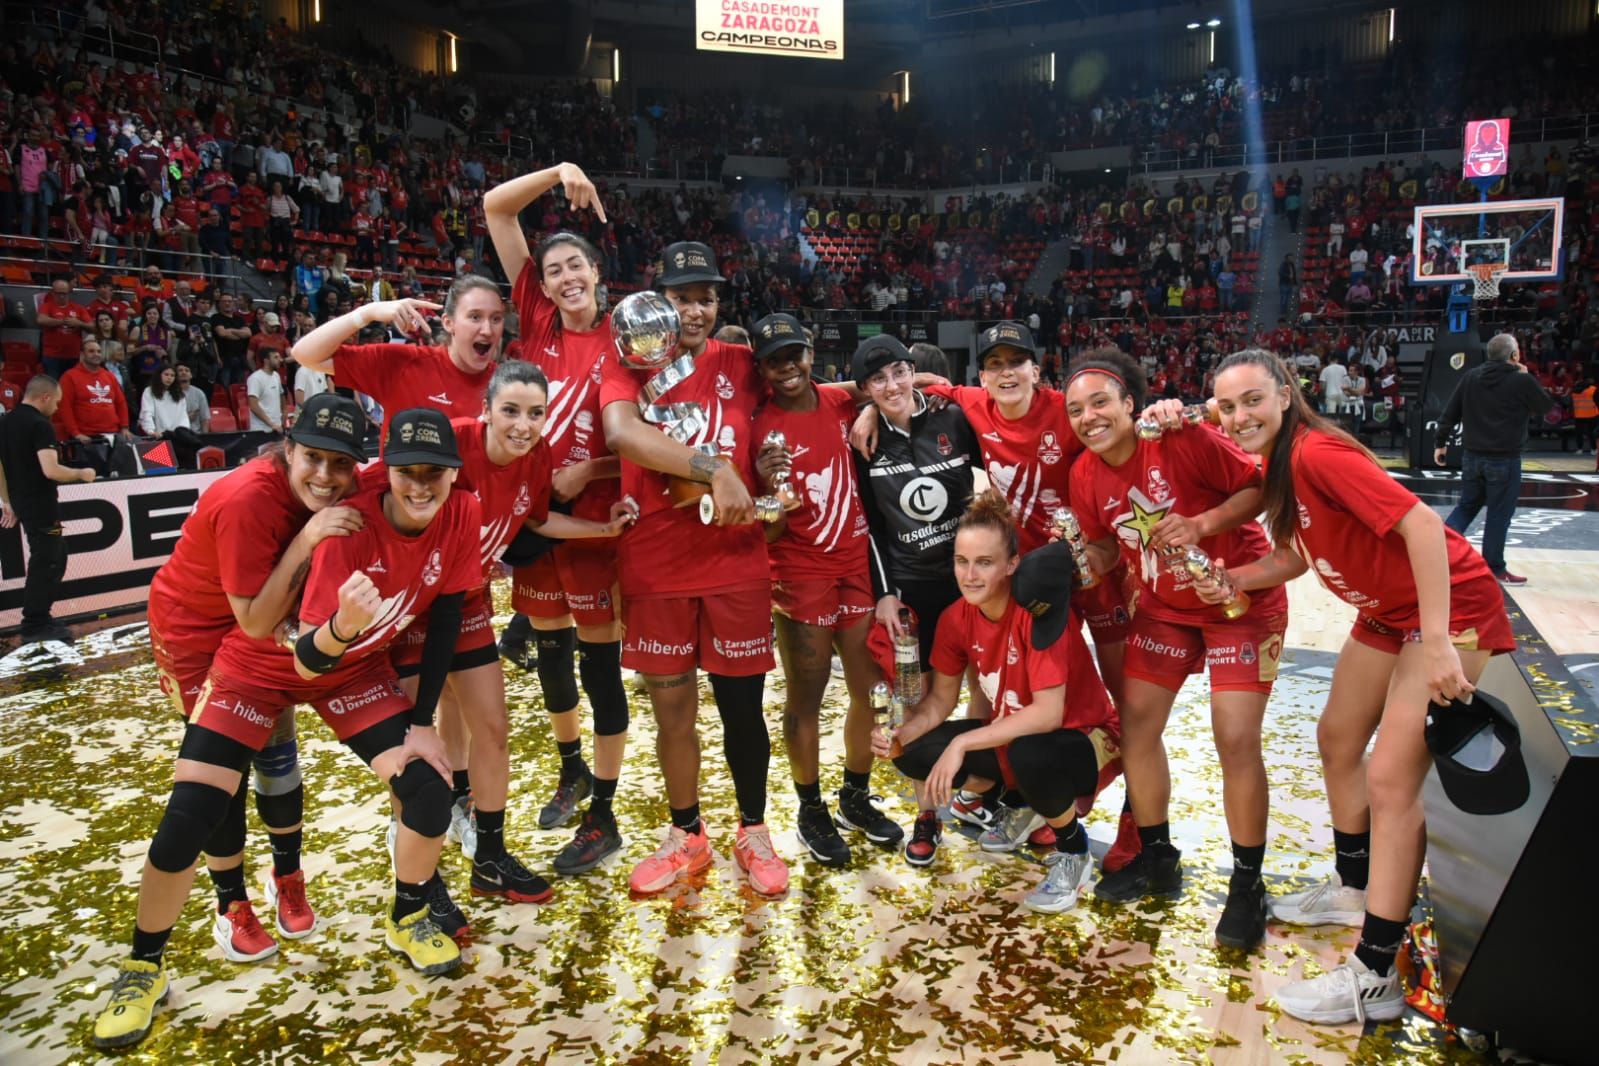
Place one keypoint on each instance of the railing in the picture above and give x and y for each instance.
(60, 256)
(129, 44)
(866, 178)
(1393, 143)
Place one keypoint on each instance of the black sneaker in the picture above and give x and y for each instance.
(1243, 919)
(507, 878)
(596, 838)
(1157, 871)
(569, 795)
(516, 650)
(818, 833)
(926, 835)
(445, 914)
(856, 811)
(52, 632)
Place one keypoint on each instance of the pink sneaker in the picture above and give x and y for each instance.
(680, 853)
(768, 874)
(296, 919)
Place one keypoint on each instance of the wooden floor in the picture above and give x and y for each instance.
(878, 963)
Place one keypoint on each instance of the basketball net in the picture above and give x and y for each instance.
(1488, 276)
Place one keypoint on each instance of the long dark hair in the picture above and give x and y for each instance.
(588, 251)
(1282, 503)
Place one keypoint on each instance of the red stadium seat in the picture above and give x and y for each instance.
(222, 420)
(211, 458)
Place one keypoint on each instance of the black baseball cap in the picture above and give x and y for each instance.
(1005, 335)
(421, 436)
(1476, 748)
(874, 353)
(775, 332)
(333, 422)
(686, 263)
(1043, 585)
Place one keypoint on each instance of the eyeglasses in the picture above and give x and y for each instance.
(898, 373)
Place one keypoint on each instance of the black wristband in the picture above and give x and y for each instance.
(314, 658)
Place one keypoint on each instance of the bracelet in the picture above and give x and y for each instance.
(334, 632)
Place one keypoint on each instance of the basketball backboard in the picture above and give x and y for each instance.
(1448, 238)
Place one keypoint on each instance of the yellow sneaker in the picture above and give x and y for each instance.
(139, 988)
(420, 941)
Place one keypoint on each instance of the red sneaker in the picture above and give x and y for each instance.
(239, 934)
(752, 850)
(296, 919)
(1042, 837)
(1126, 847)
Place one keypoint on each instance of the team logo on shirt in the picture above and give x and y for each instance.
(433, 570)
(584, 422)
(1158, 488)
(442, 399)
(1304, 515)
(923, 499)
(524, 501)
(1049, 450)
(724, 387)
(1012, 655)
(989, 683)
(594, 371)
(945, 448)
(727, 439)
(376, 567)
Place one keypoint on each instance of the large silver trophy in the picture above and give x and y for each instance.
(646, 328)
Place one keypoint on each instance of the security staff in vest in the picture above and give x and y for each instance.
(1493, 403)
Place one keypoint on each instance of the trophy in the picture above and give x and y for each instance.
(768, 509)
(1065, 523)
(890, 712)
(781, 484)
(1198, 565)
(645, 328)
(1194, 414)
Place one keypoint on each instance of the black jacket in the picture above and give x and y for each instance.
(914, 489)
(1493, 402)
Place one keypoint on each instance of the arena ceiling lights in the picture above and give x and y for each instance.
(809, 29)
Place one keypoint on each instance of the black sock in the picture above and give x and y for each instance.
(859, 781)
(687, 818)
(1379, 943)
(148, 947)
(809, 795)
(572, 764)
(286, 852)
(1013, 799)
(460, 786)
(604, 792)
(1071, 838)
(1247, 860)
(1353, 857)
(991, 796)
(520, 628)
(230, 887)
(408, 898)
(490, 834)
(1156, 836)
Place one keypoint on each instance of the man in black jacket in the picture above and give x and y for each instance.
(1493, 403)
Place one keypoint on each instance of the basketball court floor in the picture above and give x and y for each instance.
(878, 963)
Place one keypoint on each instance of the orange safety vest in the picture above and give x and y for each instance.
(1582, 404)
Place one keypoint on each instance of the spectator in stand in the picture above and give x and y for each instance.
(1358, 259)
(272, 338)
(332, 188)
(309, 278)
(283, 214)
(116, 353)
(32, 163)
(164, 412)
(308, 383)
(105, 300)
(1585, 415)
(182, 309)
(62, 324)
(265, 392)
(152, 286)
(94, 412)
(195, 400)
(29, 473)
(1287, 286)
(272, 162)
(150, 344)
(232, 336)
(252, 208)
(1358, 298)
(216, 244)
(1355, 390)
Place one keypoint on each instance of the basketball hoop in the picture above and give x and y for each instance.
(1488, 276)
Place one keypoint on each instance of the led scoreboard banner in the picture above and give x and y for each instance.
(813, 30)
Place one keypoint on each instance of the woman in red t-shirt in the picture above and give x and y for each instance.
(1139, 502)
(415, 552)
(1431, 615)
(1050, 739)
(284, 501)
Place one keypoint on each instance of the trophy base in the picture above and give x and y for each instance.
(1236, 607)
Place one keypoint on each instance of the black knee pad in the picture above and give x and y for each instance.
(424, 799)
(281, 810)
(557, 669)
(228, 837)
(194, 811)
(601, 670)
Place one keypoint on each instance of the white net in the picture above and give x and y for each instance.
(1488, 276)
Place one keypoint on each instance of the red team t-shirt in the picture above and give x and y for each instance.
(508, 496)
(667, 552)
(1187, 472)
(1026, 459)
(410, 573)
(827, 534)
(574, 362)
(1010, 670)
(1348, 508)
(403, 376)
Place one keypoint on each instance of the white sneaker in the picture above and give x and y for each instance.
(1351, 993)
(462, 829)
(1067, 877)
(1011, 828)
(1329, 903)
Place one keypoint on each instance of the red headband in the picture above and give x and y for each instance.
(1117, 378)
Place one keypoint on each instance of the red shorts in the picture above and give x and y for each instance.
(1485, 634)
(248, 714)
(477, 633)
(181, 665)
(1242, 655)
(828, 603)
(575, 578)
(727, 633)
(1104, 608)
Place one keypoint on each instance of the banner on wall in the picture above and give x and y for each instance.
(810, 30)
(118, 533)
(1487, 148)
